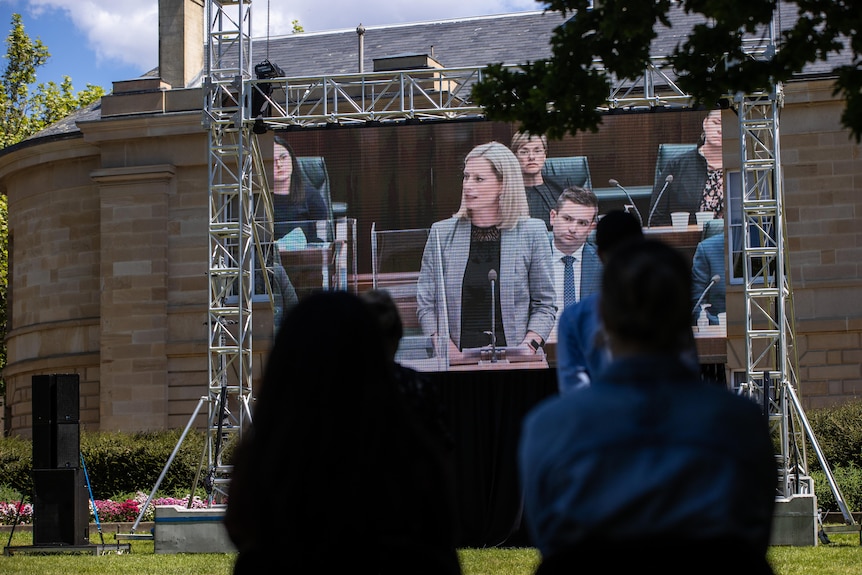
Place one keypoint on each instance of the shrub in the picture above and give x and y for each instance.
(849, 481)
(838, 431)
(116, 463)
(125, 463)
(15, 467)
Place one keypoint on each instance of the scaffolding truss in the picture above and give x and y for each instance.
(437, 94)
(770, 353)
(238, 223)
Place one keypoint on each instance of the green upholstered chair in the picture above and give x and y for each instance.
(314, 174)
(666, 153)
(568, 171)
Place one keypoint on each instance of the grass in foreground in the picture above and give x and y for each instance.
(842, 556)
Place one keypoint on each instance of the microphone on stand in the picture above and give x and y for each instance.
(614, 182)
(492, 277)
(712, 281)
(667, 182)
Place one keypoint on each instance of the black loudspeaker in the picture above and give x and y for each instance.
(66, 391)
(61, 515)
(67, 450)
(42, 390)
(44, 445)
(56, 398)
(56, 433)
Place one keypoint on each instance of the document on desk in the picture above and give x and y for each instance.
(514, 354)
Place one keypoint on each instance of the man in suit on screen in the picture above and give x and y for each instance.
(576, 264)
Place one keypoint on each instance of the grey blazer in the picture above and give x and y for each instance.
(525, 276)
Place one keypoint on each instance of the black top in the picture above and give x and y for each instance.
(691, 181)
(543, 198)
(476, 290)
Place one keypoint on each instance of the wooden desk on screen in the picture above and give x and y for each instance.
(711, 345)
(402, 287)
(311, 268)
(685, 240)
(473, 363)
(518, 358)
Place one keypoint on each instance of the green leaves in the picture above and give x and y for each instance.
(611, 42)
(23, 114)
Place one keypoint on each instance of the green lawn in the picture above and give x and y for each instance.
(842, 556)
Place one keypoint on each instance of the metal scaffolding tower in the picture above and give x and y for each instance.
(239, 222)
(771, 367)
(240, 233)
(770, 354)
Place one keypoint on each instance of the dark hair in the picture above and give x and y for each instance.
(297, 189)
(616, 228)
(646, 296)
(577, 195)
(335, 443)
(386, 311)
(326, 386)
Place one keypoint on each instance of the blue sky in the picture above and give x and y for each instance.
(101, 41)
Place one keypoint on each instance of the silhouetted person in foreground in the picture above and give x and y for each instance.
(581, 349)
(418, 389)
(335, 475)
(648, 467)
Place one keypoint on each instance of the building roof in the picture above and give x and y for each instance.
(461, 42)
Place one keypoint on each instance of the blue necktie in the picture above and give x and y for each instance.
(568, 281)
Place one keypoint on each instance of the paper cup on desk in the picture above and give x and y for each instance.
(679, 220)
(703, 217)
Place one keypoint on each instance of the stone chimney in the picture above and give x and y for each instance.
(181, 63)
(181, 42)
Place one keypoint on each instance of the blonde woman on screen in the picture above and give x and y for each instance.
(490, 241)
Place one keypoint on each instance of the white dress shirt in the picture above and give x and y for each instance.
(559, 268)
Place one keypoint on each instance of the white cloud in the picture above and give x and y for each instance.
(117, 31)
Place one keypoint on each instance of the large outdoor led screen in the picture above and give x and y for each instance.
(372, 207)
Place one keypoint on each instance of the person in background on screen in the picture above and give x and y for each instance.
(648, 459)
(698, 178)
(295, 204)
(492, 231)
(573, 219)
(581, 348)
(708, 262)
(542, 193)
(283, 293)
(335, 474)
